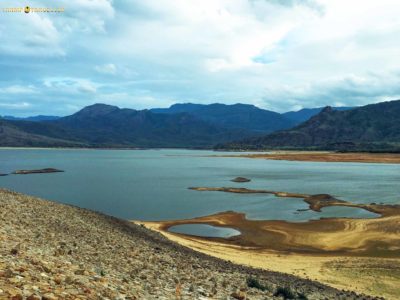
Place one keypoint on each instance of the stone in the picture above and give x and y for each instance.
(241, 179)
(49, 297)
(80, 272)
(69, 280)
(239, 295)
(57, 280)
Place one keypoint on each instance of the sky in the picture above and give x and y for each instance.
(275, 54)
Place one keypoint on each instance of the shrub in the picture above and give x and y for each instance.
(286, 292)
(254, 283)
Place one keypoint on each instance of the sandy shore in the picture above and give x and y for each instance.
(387, 158)
(372, 275)
(358, 254)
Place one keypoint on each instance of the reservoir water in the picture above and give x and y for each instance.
(153, 184)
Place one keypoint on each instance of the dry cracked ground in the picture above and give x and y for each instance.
(55, 251)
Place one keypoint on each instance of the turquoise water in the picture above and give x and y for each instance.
(153, 184)
(204, 230)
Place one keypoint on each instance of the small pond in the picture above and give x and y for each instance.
(204, 230)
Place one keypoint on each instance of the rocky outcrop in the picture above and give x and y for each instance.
(46, 170)
(241, 179)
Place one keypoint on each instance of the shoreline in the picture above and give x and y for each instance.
(101, 148)
(286, 155)
(323, 156)
(360, 274)
(346, 253)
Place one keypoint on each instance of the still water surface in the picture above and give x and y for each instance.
(204, 230)
(152, 184)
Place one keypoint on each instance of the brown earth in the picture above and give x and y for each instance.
(388, 158)
(343, 252)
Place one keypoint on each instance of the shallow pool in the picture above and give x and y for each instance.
(204, 230)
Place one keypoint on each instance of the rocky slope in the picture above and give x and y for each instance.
(54, 251)
(374, 127)
(305, 114)
(14, 134)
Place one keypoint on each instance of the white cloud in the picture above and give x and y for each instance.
(32, 34)
(18, 89)
(48, 34)
(106, 69)
(278, 54)
(69, 85)
(86, 87)
(350, 90)
(17, 105)
(229, 31)
(88, 16)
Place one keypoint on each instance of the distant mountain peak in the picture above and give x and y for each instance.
(100, 106)
(98, 109)
(305, 114)
(327, 109)
(184, 107)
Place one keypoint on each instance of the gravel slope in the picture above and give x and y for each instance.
(54, 251)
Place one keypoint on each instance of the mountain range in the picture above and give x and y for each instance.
(374, 127)
(238, 126)
(38, 118)
(102, 125)
(181, 125)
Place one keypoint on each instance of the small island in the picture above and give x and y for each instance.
(240, 179)
(39, 171)
(3, 174)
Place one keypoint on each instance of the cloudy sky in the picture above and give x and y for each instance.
(277, 54)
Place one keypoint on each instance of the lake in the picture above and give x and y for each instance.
(153, 184)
